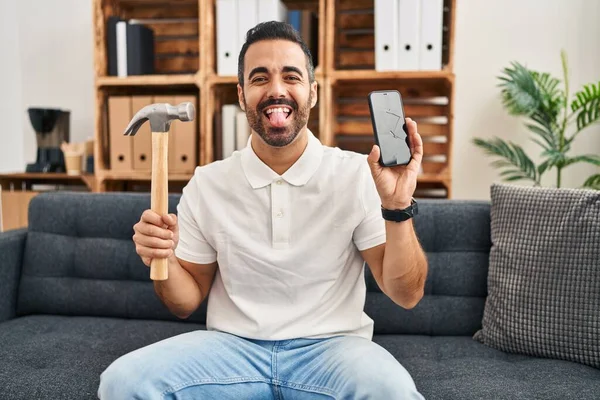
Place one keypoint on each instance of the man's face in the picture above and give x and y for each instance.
(277, 94)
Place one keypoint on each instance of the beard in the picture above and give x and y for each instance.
(278, 136)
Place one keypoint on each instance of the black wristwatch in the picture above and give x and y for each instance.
(400, 215)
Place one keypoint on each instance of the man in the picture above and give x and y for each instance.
(278, 233)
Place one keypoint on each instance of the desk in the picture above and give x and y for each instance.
(17, 191)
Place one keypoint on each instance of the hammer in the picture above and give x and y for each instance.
(160, 116)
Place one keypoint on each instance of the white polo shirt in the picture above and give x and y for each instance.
(287, 246)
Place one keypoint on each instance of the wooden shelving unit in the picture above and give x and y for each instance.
(186, 64)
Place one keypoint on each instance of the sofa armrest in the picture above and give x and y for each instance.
(12, 246)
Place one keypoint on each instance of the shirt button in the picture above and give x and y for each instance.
(279, 182)
(279, 214)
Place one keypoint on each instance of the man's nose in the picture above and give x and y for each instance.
(276, 89)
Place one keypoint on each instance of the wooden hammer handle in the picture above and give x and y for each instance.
(160, 194)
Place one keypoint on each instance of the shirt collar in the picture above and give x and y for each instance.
(260, 175)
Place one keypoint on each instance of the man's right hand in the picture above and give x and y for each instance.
(156, 236)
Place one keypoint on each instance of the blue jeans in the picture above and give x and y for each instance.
(216, 365)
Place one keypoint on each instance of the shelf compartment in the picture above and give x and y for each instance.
(312, 31)
(136, 158)
(176, 32)
(426, 101)
(353, 35)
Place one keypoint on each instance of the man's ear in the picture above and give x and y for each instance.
(241, 97)
(314, 92)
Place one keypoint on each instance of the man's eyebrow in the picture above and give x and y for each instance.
(288, 68)
(257, 70)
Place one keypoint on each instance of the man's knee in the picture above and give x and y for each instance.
(374, 373)
(379, 383)
(122, 380)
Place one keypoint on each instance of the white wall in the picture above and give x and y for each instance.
(491, 34)
(56, 44)
(11, 138)
(51, 66)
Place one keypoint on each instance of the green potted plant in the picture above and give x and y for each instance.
(553, 119)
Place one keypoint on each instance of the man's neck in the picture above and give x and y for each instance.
(280, 159)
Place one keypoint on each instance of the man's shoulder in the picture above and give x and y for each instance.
(217, 168)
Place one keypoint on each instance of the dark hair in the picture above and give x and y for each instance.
(274, 30)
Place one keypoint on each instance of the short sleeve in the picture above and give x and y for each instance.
(193, 246)
(371, 230)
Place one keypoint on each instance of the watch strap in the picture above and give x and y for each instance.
(401, 215)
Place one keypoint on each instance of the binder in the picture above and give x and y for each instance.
(185, 138)
(271, 10)
(227, 37)
(386, 35)
(121, 146)
(142, 141)
(140, 50)
(409, 25)
(228, 134)
(247, 18)
(432, 20)
(242, 129)
(293, 18)
(122, 49)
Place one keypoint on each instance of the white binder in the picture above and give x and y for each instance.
(409, 25)
(386, 35)
(271, 10)
(247, 18)
(228, 131)
(432, 20)
(121, 49)
(242, 129)
(227, 37)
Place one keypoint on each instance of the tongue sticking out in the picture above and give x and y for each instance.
(277, 118)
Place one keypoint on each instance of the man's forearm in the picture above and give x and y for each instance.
(180, 293)
(404, 264)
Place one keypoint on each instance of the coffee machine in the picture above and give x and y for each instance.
(51, 129)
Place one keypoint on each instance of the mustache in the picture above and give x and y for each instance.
(276, 102)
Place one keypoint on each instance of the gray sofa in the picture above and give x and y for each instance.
(74, 296)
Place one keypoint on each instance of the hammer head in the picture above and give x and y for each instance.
(160, 116)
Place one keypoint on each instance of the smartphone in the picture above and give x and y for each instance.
(389, 127)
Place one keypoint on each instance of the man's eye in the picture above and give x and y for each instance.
(259, 79)
(293, 77)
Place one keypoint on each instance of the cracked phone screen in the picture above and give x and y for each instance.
(390, 124)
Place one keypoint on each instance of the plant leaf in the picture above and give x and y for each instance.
(587, 105)
(588, 158)
(555, 158)
(519, 165)
(593, 182)
(546, 135)
(520, 94)
(553, 98)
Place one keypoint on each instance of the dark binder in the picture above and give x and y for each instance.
(140, 50)
(111, 45)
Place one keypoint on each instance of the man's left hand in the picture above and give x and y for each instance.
(396, 185)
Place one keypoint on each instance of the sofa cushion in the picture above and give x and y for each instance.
(460, 368)
(59, 357)
(455, 234)
(80, 258)
(544, 274)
